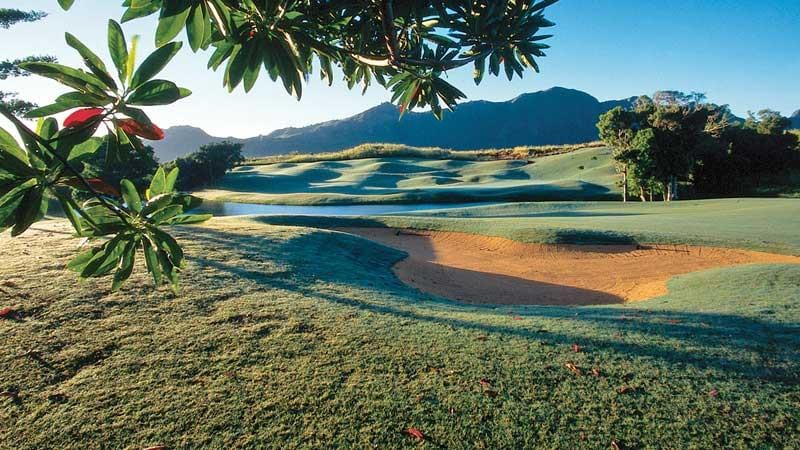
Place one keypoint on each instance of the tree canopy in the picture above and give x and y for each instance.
(12, 68)
(408, 47)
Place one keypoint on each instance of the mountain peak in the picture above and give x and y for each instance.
(554, 116)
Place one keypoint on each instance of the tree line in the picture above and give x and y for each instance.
(197, 169)
(673, 141)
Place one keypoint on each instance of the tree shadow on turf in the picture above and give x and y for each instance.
(321, 264)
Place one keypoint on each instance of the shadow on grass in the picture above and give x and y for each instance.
(330, 266)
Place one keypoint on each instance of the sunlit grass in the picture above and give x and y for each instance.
(294, 337)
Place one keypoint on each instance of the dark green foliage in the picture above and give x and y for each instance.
(749, 157)
(207, 165)
(9, 16)
(404, 46)
(139, 167)
(11, 68)
(128, 220)
(676, 137)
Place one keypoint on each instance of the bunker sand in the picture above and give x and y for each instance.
(492, 270)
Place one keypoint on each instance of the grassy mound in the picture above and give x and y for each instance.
(585, 174)
(272, 345)
(373, 150)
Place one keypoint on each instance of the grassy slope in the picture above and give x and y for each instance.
(759, 224)
(395, 180)
(271, 345)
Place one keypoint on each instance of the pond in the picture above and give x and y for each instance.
(240, 209)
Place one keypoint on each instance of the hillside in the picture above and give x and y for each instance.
(795, 118)
(585, 174)
(554, 116)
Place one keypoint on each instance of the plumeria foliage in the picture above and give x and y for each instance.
(406, 46)
(45, 165)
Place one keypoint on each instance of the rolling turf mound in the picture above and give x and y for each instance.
(584, 174)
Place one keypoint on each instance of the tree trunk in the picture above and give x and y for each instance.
(674, 190)
(667, 190)
(641, 194)
(625, 183)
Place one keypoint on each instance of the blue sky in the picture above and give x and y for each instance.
(744, 53)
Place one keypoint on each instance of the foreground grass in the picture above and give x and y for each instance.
(755, 224)
(585, 174)
(272, 345)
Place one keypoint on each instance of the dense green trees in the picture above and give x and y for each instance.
(404, 46)
(11, 68)
(207, 165)
(675, 137)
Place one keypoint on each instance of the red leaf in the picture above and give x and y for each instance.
(575, 369)
(595, 371)
(626, 389)
(416, 433)
(576, 348)
(713, 393)
(485, 382)
(516, 318)
(151, 132)
(6, 312)
(82, 117)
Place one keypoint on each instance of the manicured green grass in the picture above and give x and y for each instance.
(302, 338)
(758, 224)
(585, 174)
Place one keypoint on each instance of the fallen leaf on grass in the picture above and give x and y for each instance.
(416, 433)
(595, 371)
(626, 389)
(491, 393)
(9, 394)
(576, 348)
(485, 382)
(577, 371)
(6, 312)
(616, 445)
(674, 321)
(157, 447)
(516, 318)
(713, 393)
(482, 337)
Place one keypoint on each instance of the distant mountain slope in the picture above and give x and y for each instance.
(554, 116)
(795, 118)
(182, 140)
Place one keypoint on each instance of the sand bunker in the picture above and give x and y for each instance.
(492, 270)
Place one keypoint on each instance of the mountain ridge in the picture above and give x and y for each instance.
(553, 116)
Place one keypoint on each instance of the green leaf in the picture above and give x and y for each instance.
(13, 158)
(118, 48)
(130, 196)
(125, 267)
(68, 101)
(164, 214)
(188, 219)
(172, 177)
(92, 61)
(158, 184)
(74, 78)
(172, 20)
(66, 4)
(151, 260)
(196, 27)
(155, 92)
(32, 209)
(155, 63)
(85, 149)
